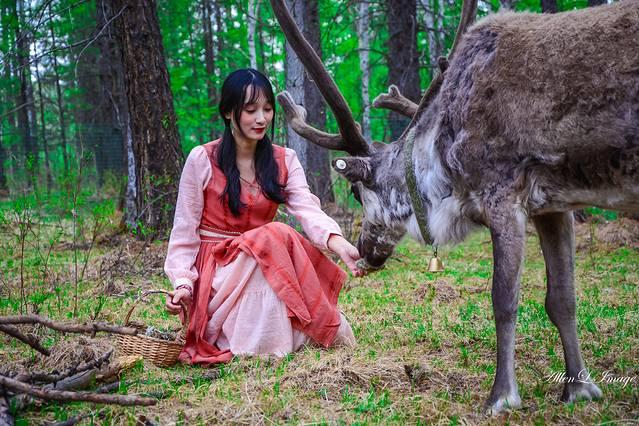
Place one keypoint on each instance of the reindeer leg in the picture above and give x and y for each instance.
(558, 245)
(508, 232)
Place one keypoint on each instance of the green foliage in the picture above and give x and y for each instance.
(183, 33)
(601, 214)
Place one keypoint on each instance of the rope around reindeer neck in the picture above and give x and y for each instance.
(411, 181)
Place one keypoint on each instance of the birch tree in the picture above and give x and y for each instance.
(254, 7)
(313, 158)
(363, 23)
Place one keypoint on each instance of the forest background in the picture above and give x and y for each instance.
(76, 101)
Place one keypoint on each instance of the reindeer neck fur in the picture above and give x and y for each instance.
(447, 222)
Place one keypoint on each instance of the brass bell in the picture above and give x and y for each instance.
(435, 264)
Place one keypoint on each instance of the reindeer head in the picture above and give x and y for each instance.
(376, 174)
(376, 171)
(378, 183)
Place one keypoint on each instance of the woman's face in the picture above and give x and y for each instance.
(255, 118)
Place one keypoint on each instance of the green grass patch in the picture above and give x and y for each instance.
(426, 342)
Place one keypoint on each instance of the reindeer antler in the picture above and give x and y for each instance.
(395, 101)
(469, 11)
(296, 118)
(351, 140)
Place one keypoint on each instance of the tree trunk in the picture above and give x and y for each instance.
(507, 4)
(436, 31)
(195, 78)
(3, 173)
(113, 97)
(26, 114)
(60, 100)
(364, 48)
(100, 83)
(154, 133)
(440, 24)
(7, 35)
(43, 132)
(253, 8)
(220, 24)
(260, 34)
(209, 61)
(431, 36)
(313, 158)
(403, 61)
(549, 6)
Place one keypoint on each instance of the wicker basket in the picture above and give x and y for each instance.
(162, 353)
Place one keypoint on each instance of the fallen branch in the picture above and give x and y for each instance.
(29, 340)
(5, 415)
(68, 327)
(115, 369)
(82, 378)
(51, 378)
(108, 388)
(54, 395)
(76, 382)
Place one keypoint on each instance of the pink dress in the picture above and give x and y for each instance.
(258, 288)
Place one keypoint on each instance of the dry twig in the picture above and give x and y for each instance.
(51, 378)
(55, 395)
(68, 327)
(25, 338)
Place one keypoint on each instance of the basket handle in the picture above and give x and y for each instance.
(185, 325)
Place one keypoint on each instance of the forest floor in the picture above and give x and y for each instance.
(426, 342)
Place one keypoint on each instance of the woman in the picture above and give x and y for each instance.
(253, 286)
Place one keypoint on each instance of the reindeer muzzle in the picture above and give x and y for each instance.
(365, 266)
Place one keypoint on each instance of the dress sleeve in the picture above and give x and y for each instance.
(305, 206)
(184, 242)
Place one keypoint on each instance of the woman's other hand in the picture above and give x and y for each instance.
(173, 300)
(347, 252)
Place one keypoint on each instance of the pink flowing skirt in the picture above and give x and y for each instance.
(247, 317)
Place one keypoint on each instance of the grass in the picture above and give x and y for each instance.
(426, 342)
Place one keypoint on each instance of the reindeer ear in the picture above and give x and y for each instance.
(355, 169)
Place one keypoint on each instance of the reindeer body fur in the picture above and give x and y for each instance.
(544, 110)
(536, 115)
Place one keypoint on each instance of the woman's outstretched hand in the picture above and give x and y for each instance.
(173, 300)
(347, 252)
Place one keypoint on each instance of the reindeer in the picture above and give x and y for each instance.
(531, 117)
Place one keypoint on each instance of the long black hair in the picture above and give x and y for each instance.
(232, 101)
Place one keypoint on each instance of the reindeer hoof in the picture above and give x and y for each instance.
(501, 403)
(580, 391)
